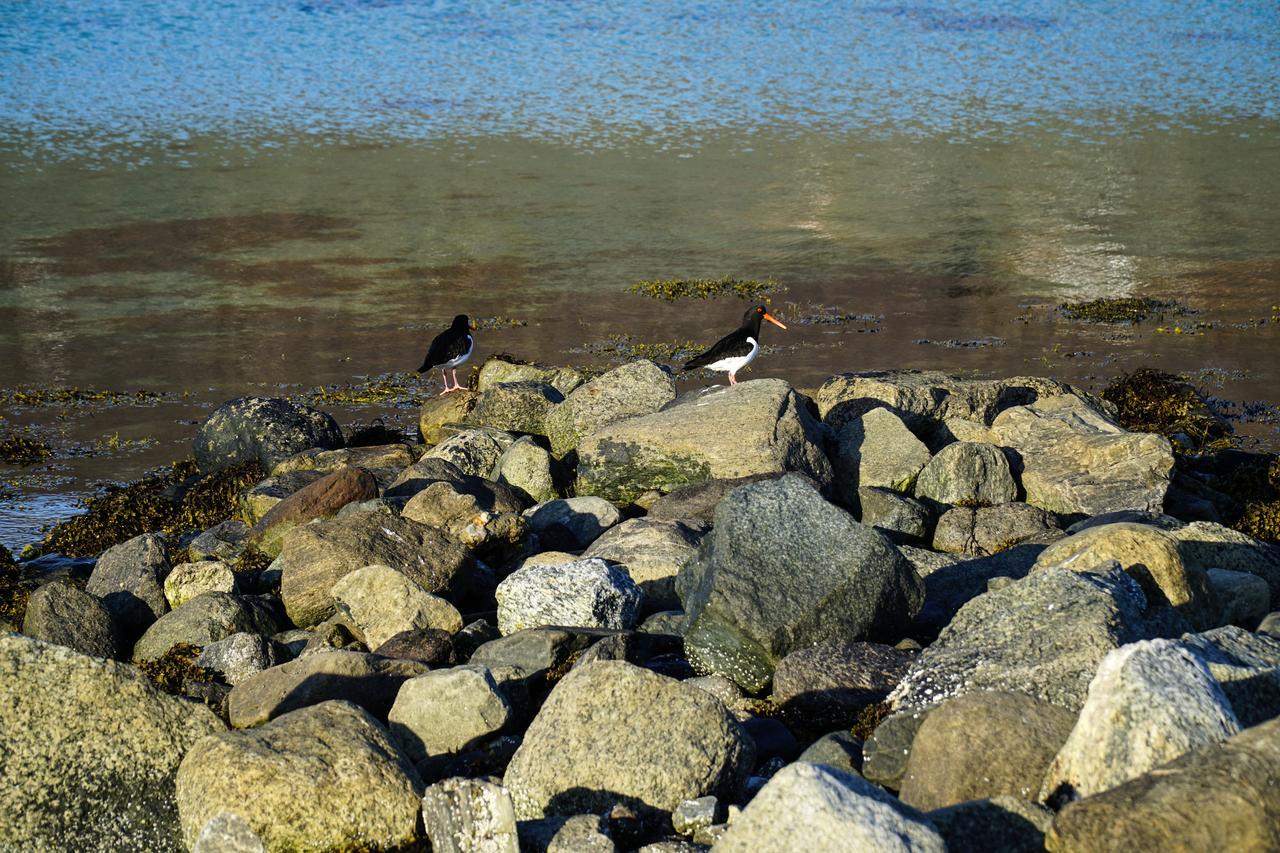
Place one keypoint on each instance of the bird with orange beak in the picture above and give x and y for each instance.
(738, 348)
(449, 350)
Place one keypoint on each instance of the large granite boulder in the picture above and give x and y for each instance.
(756, 427)
(784, 569)
(88, 751)
(1246, 665)
(188, 580)
(321, 499)
(1149, 703)
(443, 411)
(447, 710)
(257, 500)
(652, 553)
(967, 473)
(59, 613)
(1004, 823)
(1072, 459)
(129, 579)
(987, 530)
(382, 602)
(571, 524)
(901, 518)
(1206, 545)
(318, 555)
(876, 450)
(263, 429)
(612, 732)
(588, 593)
(474, 451)
(373, 457)
(638, 388)
(205, 619)
(815, 808)
(497, 371)
(482, 515)
(529, 469)
(321, 778)
(515, 406)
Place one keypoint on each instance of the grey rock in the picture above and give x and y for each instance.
(968, 473)
(983, 531)
(367, 680)
(227, 832)
(1149, 703)
(383, 602)
(886, 752)
(425, 645)
(370, 457)
(478, 514)
(828, 685)
(469, 816)
(474, 451)
(527, 467)
(358, 791)
(652, 553)
(982, 745)
(88, 749)
(533, 651)
(692, 815)
(318, 555)
(899, 517)
(1270, 625)
(446, 711)
(586, 593)
(129, 579)
(497, 371)
(1243, 599)
(1004, 823)
(61, 614)
(223, 541)
(187, 580)
(1133, 516)
(518, 407)
(604, 731)
(838, 749)
(755, 427)
(1205, 545)
(423, 473)
(1043, 635)
(720, 687)
(239, 656)
(877, 450)
(950, 583)
(263, 429)
(205, 619)
(571, 524)
(782, 570)
(1073, 459)
(1246, 666)
(583, 833)
(638, 388)
(817, 808)
(663, 622)
(695, 504)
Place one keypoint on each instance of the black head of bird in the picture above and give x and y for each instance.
(751, 319)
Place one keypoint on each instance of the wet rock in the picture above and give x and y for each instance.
(1003, 823)
(1205, 545)
(652, 553)
(782, 570)
(444, 410)
(88, 749)
(1073, 459)
(1243, 599)
(1043, 635)
(431, 646)
(187, 580)
(205, 619)
(469, 816)
(367, 680)
(239, 656)
(982, 745)
(1246, 666)
(129, 579)
(474, 451)
(383, 602)
(606, 726)
(755, 427)
(983, 531)
(320, 499)
(497, 371)
(815, 807)
(586, 593)
(1149, 703)
(526, 467)
(1219, 797)
(223, 541)
(370, 457)
(1150, 556)
(446, 711)
(59, 613)
(885, 753)
(320, 778)
(828, 685)
(266, 429)
(638, 388)
(899, 517)
(839, 749)
(571, 524)
(518, 407)
(969, 474)
(876, 449)
(318, 555)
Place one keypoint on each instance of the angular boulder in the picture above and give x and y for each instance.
(469, 816)
(526, 467)
(187, 580)
(571, 523)
(474, 451)
(517, 407)
(877, 450)
(1246, 665)
(444, 410)
(895, 515)
(267, 430)
(987, 530)
(239, 656)
(1206, 545)
(967, 473)
(829, 684)
(587, 593)
(383, 602)
(205, 619)
(638, 388)
(445, 711)
(321, 499)
(496, 371)
(756, 427)
(370, 457)
(129, 579)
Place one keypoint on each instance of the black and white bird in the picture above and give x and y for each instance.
(738, 348)
(450, 349)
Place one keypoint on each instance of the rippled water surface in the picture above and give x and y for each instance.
(208, 199)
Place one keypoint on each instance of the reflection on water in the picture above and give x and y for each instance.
(215, 199)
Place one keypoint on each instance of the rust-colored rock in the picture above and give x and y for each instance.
(321, 499)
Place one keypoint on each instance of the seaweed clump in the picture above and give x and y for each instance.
(23, 450)
(868, 718)
(175, 501)
(671, 289)
(1150, 400)
(1126, 310)
(176, 668)
(388, 389)
(14, 590)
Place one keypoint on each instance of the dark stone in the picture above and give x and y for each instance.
(129, 579)
(901, 518)
(266, 429)
(772, 739)
(837, 749)
(697, 501)
(828, 685)
(431, 646)
(60, 613)
(884, 755)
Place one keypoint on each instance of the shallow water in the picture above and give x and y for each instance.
(235, 197)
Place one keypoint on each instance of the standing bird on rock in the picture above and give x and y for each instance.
(738, 348)
(450, 349)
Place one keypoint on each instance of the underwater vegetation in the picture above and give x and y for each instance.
(23, 450)
(1127, 310)
(671, 289)
(388, 389)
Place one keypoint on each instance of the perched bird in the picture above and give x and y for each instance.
(738, 348)
(449, 350)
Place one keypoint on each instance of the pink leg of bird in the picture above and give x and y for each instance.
(445, 377)
(732, 380)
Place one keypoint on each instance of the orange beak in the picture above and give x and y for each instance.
(773, 320)
(472, 327)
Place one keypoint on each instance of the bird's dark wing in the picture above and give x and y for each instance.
(734, 344)
(447, 346)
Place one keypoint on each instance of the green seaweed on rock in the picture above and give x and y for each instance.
(14, 590)
(176, 668)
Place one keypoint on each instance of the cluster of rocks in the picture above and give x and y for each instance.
(908, 611)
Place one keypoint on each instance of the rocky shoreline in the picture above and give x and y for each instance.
(905, 611)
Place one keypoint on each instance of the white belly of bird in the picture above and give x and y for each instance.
(471, 344)
(737, 362)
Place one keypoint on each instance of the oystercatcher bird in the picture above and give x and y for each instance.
(738, 348)
(449, 350)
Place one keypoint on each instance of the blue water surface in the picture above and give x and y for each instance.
(80, 75)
